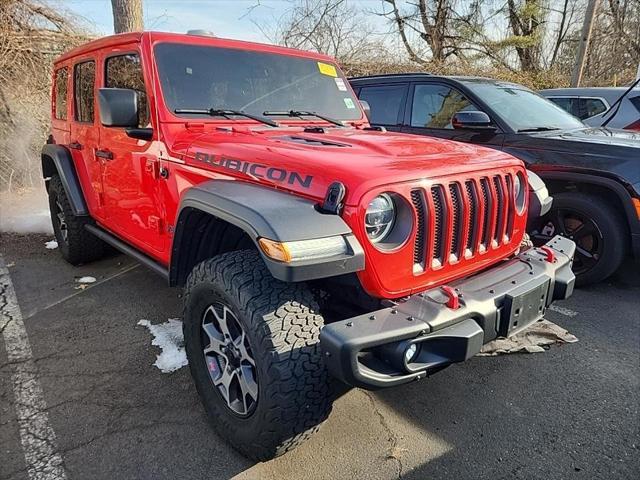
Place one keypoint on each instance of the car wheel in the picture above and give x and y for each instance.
(254, 354)
(75, 243)
(596, 227)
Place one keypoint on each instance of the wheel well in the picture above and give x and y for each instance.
(601, 191)
(48, 168)
(201, 235)
(605, 193)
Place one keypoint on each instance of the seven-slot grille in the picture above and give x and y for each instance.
(458, 220)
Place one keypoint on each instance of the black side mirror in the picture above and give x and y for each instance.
(118, 107)
(367, 108)
(472, 121)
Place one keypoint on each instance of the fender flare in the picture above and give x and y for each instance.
(615, 187)
(272, 214)
(64, 167)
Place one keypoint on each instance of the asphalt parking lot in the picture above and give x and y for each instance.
(571, 412)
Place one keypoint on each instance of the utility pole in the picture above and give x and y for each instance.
(127, 16)
(587, 27)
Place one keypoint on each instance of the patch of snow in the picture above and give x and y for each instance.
(25, 211)
(86, 280)
(51, 245)
(168, 336)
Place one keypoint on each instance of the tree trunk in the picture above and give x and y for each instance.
(127, 16)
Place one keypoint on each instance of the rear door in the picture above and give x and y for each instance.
(387, 104)
(133, 203)
(85, 134)
(431, 107)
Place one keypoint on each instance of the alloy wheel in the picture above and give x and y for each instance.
(579, 228)
(229, 360)
(62, 223)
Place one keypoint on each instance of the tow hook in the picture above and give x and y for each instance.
(453, 299)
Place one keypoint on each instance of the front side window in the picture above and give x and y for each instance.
(385, 102)
(60, 93)
(435, 105)
(520, 108)
(204, 77)
(84, 80)
(125, 71)
(566, 103)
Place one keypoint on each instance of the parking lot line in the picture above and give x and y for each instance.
(42, 459)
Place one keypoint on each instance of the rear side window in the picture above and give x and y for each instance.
(435, 105)
(590, 107)
(385, 101)
(84, 79)
(60, 93)
(125, 71)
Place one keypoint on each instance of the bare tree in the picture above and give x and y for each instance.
(334, 27)
(431, 22)
(127, 15)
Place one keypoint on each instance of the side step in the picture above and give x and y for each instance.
(127, 249)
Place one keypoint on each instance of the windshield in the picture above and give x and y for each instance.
(201, 77)
(523, 109)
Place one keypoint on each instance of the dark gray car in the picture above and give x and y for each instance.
(592, 173)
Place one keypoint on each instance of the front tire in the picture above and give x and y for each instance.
(75, 243)
(596, 227)
(254, 354)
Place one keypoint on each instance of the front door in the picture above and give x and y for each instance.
(132, 199)
(432, 106)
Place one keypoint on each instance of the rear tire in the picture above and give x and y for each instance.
(597, 228)
(75, 243)
(281, 326)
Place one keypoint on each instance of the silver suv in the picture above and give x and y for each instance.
(591, 105)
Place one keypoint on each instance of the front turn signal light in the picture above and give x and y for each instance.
(301, 250)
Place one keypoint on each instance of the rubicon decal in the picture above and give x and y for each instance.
(257, 170)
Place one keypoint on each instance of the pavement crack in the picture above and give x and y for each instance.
(394, 452)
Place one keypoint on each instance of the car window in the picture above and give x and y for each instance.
(84, 79)
(566, 103)
(434, 106)
(520, 108)
(385, 102)
(590, 107)
(204, 77)
(125, 71)
(60, 93)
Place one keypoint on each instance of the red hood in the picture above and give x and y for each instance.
(308, 163)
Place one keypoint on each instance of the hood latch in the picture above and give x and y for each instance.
(333, 199)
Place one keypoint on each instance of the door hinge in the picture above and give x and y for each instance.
(152, 168)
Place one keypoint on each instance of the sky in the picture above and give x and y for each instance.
(225, 18)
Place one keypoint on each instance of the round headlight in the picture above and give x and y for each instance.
(379, 218)
(519, 193)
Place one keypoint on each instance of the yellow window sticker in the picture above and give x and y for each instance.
(327, 69)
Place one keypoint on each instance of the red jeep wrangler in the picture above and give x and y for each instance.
(310, 245)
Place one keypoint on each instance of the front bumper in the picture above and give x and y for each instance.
(368, 351)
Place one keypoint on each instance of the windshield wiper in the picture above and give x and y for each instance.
(223, 112)
(298, 113)
(538, 129)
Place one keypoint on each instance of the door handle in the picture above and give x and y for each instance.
(75, 145)
(106, 154)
